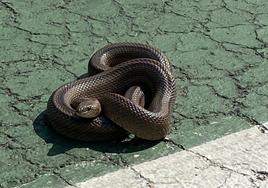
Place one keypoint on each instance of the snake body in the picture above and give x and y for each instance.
(135, 87)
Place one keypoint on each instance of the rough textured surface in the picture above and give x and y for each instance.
(121, 178)
(218, 48)
(219, 163)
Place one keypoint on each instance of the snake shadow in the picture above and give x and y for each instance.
(62, 144)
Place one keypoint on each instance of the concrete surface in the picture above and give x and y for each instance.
(218, 49)
(219, 163)
(236, 160)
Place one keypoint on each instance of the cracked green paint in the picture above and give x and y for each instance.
(218, 49)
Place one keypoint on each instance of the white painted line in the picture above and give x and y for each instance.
(236, 160)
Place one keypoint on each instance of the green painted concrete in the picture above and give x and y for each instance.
(219, 49)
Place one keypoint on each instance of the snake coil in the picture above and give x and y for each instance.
(135, 88)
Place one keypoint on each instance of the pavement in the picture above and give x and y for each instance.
(219, 51)
(236, 160)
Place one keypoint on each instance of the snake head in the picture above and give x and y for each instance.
(88, 108)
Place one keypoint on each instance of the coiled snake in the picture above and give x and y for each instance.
(132, 91)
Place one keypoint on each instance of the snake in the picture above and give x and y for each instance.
(129, 89)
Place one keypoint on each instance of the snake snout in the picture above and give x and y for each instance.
(88, 108)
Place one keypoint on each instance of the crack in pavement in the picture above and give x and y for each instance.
(149, 182)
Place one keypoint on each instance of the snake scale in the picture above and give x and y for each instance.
(132, 90)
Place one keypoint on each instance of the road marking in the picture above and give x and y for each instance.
(237, 160)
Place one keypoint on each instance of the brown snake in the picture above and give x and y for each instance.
(132, 91)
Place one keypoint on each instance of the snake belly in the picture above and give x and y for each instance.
(118, 67)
